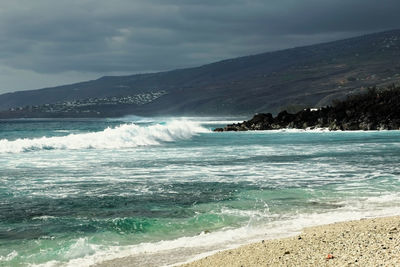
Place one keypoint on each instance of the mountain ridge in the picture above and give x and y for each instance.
(293, 78)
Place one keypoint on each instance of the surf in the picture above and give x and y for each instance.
(127, 135)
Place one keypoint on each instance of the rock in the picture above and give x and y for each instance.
(229, 128)
(377, 109)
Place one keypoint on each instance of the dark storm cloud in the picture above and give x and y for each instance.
(122, 36)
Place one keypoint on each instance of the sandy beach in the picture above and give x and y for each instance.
(366, 242)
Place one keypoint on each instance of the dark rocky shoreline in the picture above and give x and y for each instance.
(377, 109)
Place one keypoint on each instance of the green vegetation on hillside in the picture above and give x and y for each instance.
(375, 109)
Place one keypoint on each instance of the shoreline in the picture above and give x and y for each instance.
(364, 242)
(285, 249)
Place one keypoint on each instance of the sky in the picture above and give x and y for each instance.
(47, 43)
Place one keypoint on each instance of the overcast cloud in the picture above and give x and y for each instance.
(46, 42)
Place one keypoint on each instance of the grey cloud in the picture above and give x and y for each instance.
(122, 36)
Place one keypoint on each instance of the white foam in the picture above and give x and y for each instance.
(44, 217)
(9, 256)
(81, 248)
(320, 130)
(190, 247)
(123, 136)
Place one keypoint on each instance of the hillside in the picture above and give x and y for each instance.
(290, 79)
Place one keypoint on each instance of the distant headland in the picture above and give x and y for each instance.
(377, 109)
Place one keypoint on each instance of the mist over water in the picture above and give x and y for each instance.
(80, 192)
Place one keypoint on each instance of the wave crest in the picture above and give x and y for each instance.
(123, 136)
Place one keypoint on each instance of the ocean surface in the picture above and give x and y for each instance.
(163, 190)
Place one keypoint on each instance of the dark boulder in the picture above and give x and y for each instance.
(374, 110)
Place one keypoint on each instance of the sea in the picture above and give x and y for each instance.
(166, 190)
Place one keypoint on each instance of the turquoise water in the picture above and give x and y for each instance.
(80, 192)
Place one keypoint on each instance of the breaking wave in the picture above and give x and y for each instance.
(123, 136)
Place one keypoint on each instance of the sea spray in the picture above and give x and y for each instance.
(123, 136)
